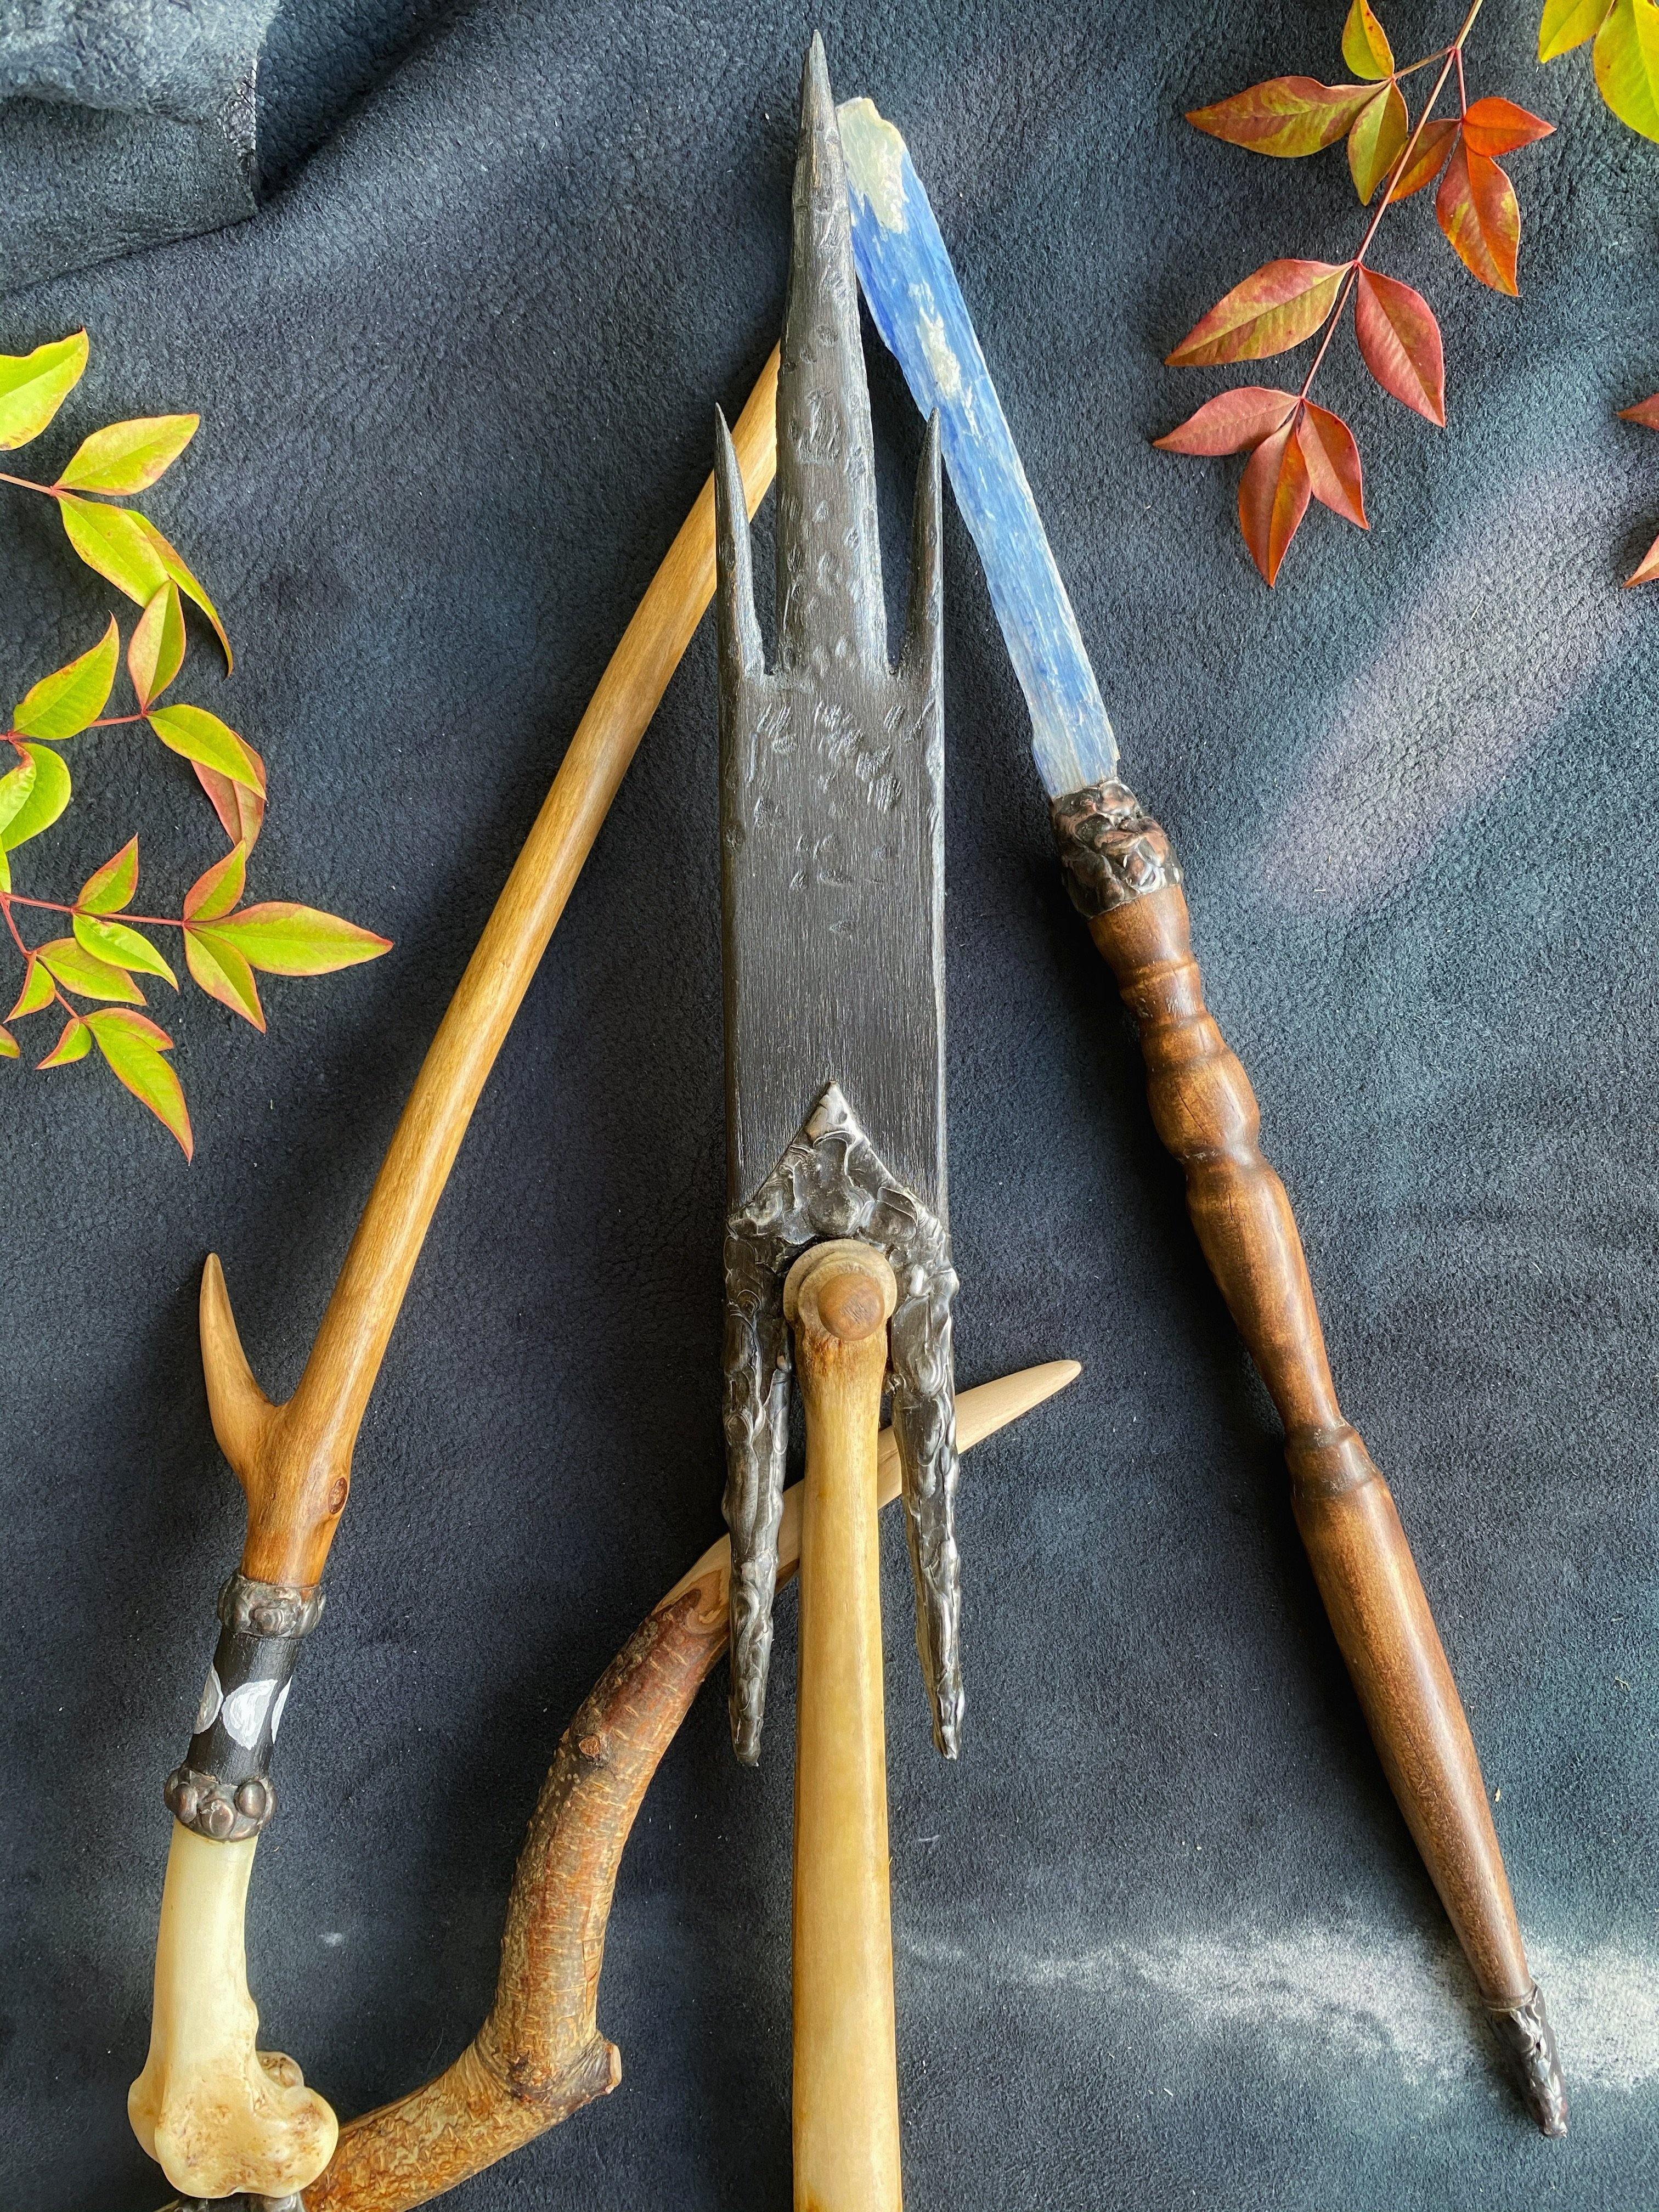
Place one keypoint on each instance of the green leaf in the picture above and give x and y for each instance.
(241, 812)
(173, 566)
(5, 871)
(121, 946)
(1366, 45)
(156, 652)
(1627, 64)
(107, 890)
(75, 1043)
(133, 1048)
(1376, 141)
(217, 890)
(69, 698)
(130, 456)
(14, 788)
(222, 973)
(284, 939)
(37, 992)
(9, 1048)
(48, 796)
(35, 385)
(86, 975)
(202, 737)
(1567, 24)
(111, 541)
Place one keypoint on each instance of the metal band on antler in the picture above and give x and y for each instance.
(222, 1789)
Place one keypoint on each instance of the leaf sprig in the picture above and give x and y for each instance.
(104, 951)
(1626, 52)
(1646, 412)
(1300, 451)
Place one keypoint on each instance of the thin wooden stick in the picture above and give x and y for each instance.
(540, 2056)
(294, 1461)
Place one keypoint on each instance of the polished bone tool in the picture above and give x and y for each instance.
(832, 876)
(1123, 878)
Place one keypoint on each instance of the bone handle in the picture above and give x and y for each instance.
(839, 1296)
(217, 2114)
(1121, 874)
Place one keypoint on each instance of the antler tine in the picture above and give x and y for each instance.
(739, 625)
(823, 412)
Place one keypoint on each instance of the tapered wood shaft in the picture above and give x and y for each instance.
(540, 2055)
(295, 1459)
(1205, 1112)
(845, 2069)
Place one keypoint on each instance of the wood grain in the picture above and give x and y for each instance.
(838, 1296)
(540, 2055)
(294, 1461)
(1207, 1114)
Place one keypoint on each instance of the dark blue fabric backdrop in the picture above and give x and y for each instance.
(1162, 1938)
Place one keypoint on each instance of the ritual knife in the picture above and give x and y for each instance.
(832, 881)
(1123, 878)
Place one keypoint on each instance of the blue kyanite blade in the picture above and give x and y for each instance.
(920, 311)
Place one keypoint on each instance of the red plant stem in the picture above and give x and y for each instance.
(1454, 58)
(7, 898)
(23, 483)
(57, 906)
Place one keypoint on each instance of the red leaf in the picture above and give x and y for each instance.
(1274, 308)
(1286, 116)
(1645, 411)
(1230, 421)
(1332, 458)
(241, 811)
(1273, 498)
(1428, 159)
(1400, 341)
(1498, 126)
(1481, 216)
(1648, 571)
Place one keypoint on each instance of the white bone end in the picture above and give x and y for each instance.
(217, 2114)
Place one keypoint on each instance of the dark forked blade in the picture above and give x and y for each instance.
(832, 791)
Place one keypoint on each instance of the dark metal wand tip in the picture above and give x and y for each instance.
(1528, 2043)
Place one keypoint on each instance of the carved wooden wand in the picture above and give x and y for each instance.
(1123, 878)
(219, 2115)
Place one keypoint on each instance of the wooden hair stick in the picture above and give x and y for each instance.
(218, 2116)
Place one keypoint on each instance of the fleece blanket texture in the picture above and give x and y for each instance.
(1162, 1937)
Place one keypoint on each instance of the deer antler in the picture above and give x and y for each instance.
(540, 2056)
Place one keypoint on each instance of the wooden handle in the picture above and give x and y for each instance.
(839, 1296)
(1123, 877)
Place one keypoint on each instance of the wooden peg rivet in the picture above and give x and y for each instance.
(844, 1289)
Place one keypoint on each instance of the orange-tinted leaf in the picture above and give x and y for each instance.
(1376, 141)
(37, 992)
(1366, 45)
(223, 974)
(1273, 498)
(108, 889)
(1428, 158)
(9, 1048)
(1275, 308)
(217, 890)
(1498, 126)
(1399, 342)
(1645, 411)
(1286, 116)
(1481, 216)
(157, 651)
(241, 812)
(133, 1047)
(285, 939)
(88, 976)
(1335, 477)
(1647, 570)
(75, 1043)
(202, 737)
(1230, 421)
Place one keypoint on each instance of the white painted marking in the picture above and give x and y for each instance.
(212, 1697)
(278, 1710)
(245, 1711)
